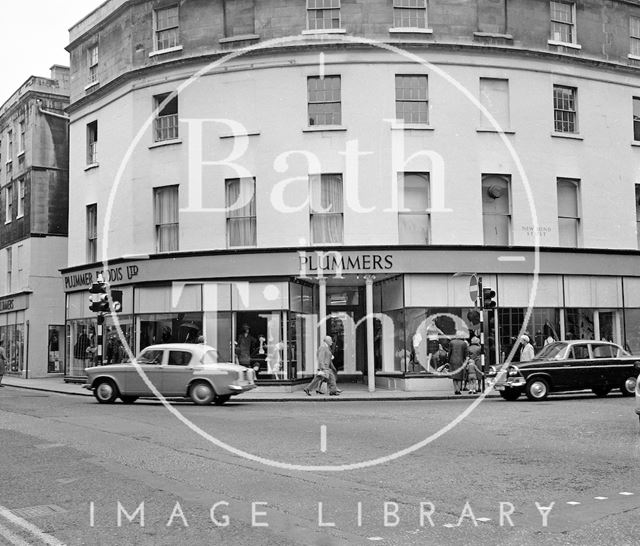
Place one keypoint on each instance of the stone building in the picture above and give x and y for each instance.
(295, 166)
(34, 178)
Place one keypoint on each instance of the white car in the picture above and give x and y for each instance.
(175, 370)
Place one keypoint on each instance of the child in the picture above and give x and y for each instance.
(473, 373)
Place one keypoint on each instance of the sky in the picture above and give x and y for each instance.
(34, 35)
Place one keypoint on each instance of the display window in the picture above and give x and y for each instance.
(114, 349)
(55, 340)
(168, 328)
(81, 345)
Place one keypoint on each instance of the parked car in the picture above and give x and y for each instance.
(570, 366)
(176, 370)
(638, 398)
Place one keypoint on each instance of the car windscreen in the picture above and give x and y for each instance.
(150, 357)
(211, 357)
(551, 351)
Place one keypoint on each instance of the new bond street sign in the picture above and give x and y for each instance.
(473, 288)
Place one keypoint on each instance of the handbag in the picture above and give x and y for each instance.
(322, 373)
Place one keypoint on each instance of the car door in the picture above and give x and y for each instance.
(150, 362)
(177, 372)
(574, 372)
(604, 366)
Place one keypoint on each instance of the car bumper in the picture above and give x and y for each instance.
(239, 389)
(511, 383)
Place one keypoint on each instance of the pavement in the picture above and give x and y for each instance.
(351, 392)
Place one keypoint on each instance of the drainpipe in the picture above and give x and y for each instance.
(50, 113)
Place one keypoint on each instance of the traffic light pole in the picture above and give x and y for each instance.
(99, 341)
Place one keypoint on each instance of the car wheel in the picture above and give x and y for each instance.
(201, 393)
(510, 394)
(105, 391)
(628, 388)
(601, 392)
(537, 390)
(219, 400)
(128, 399)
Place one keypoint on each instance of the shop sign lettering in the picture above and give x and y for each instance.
(335, 262)
(6, 305)
(111, 275)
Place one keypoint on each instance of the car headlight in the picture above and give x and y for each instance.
(513, 371)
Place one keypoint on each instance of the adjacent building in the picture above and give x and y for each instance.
(34, 177)
(352, 158)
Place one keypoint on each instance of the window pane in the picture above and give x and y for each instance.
(496, 209)
(326, 228)
(413, 229)
(568, 232)
(636, 118)
(494, 96)
(415, 192)
(567, 198)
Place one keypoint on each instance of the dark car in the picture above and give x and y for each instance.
(571, 366)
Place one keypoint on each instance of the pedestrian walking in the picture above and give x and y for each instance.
(3, 362)
(458, 353)
(326, 370)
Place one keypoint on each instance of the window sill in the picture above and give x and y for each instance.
(324, 31)
(506, 131)
(161, 143)
(570, 136)
(165, 51)
(323, 128)
(633, 57)
(8, 162)
(7, 222)
(635, 143)
(19, 216)
(91, 85)
(410, 30)
(91, 166)
(564, 44)
(412, 127)
(236, 135)
(493, 35)
(239, 38)
(21, 154)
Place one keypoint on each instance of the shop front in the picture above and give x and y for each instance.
(390, 313)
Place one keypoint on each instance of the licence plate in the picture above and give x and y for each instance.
(499, 387)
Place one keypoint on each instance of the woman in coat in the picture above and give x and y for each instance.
(458, 353)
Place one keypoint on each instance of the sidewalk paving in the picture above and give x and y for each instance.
(351, 392)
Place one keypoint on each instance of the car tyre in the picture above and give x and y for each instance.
(220, 400)
(601, 392)
(128, 399)
(537, 389)
(628, 387)
(105, 391)
(510, 394)
(201, 393)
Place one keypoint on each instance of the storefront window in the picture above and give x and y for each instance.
(115, 347)
(579, 324)
(54, 345)
(632, 330)
(259, 344)
(168, 328)
(81, 345)
(543, 326)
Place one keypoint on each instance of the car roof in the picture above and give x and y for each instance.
(576, 341)
(190, 347)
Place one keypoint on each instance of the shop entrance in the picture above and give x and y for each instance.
(345, 307)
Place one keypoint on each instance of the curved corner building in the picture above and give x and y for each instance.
(333, 159)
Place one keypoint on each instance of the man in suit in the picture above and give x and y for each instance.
(326, 370)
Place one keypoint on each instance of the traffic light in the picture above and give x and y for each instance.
(487, 298)
(99, 299)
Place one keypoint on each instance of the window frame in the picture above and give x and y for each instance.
(9, 146)
(167, 124)
(399, 10)
(157, 30)
(410, 100)
(92, 233)
(9, 278)
(21, 198)
(403, 211)
(231, 217)
(311, 117)
(8, 205)
(634, 37)
(92, 143)
(571, 25)
(637, 203)
(315, 9)
(93, 60)
(509, 214)
(21, 137)
(159, 226)
(325, 214)
(575, 182)
(571, 124)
